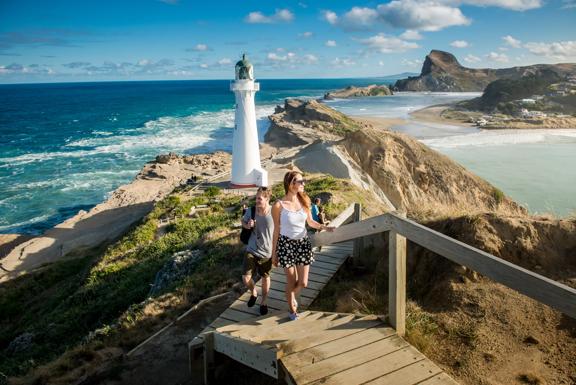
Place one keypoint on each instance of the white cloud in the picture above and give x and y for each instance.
(310, 59)
(411, 35)
(358, 19)
(427, 15)
(498, 57)
(330, 43)
(459, 44)
(509, 40)
(472, 59)
(200, 48)
(560, 50)
(32, 69)
(515, 5)
(503, 49)
(256, 18)
(290, 59)
(203, 65)
(569, 4)
(344, 62)
(224, 61)
(273, 56)
(281, 15)
(387, 44)
(411, 63)
(306, 35)
(330, 17)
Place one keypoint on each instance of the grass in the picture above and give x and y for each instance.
(498, 195)
(76, 308)
(421, 328)
(63, 303)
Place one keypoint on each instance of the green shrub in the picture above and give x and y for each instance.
(212, 191)
(498, 195)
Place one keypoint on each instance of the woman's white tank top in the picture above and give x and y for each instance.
(293, 223)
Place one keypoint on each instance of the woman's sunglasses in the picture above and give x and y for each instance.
(299, 181)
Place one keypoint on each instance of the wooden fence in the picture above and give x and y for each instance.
(536, 286)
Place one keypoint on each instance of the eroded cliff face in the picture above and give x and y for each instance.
(442, 72)
(420, 180)
(303, 122)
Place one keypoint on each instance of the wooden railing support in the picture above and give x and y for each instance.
(533, 285)
(209, 359)
(358, 242)
(397, 281)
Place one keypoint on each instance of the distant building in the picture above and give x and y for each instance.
(528, 101)
(524, 113)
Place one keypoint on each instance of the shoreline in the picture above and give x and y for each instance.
(434, 114)
(109, 219)
(129, 203)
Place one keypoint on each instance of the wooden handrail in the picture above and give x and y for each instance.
(533, 285)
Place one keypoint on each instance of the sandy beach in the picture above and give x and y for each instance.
(380, 123)
(433, 114)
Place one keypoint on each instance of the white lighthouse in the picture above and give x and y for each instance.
(246, 169)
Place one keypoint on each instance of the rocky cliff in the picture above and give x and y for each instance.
(442, 72)
(420, 180)
(300, 122)
(352, 92)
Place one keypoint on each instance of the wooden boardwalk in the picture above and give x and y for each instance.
(327, 261)
(327, 348)
(320, 347)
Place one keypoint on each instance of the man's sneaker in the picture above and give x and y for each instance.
(252, 300)
(263, 309)
(293, 316)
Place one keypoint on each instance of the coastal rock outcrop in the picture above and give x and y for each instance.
(352, 91)
(305, 121)
(420, 180)
(442, 72)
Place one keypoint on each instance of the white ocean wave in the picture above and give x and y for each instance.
(73, 181)
(165, 134)
(41, 218)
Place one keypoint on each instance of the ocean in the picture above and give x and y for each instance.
(65, 147)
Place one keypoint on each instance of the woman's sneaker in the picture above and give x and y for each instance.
(293, 316)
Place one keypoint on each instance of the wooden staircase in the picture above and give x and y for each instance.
(323, 348)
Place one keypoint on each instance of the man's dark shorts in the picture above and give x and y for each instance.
(253, 264)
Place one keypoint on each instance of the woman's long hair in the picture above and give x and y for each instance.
(302, 196)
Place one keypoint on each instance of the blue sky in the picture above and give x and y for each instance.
(59, 41)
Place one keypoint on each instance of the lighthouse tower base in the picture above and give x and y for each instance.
(259, 176)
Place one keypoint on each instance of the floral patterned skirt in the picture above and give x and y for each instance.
(293, 252)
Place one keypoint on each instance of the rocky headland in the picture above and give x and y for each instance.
(441, 72)
(354, 92)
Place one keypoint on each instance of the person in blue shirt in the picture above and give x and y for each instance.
(315, 210)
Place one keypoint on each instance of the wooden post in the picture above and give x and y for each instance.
(397, 281)
(209, 358)
(358, 242)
